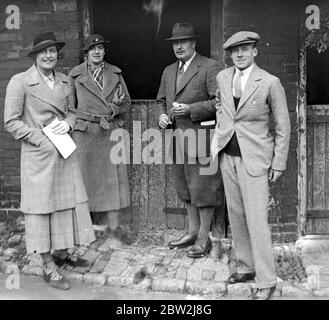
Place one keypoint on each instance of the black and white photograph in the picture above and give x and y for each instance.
(164, 150)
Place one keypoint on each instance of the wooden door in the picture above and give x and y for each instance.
(317, 222)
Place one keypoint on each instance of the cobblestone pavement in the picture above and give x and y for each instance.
(148, 264)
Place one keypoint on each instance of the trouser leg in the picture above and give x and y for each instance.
(206, 215)
(236, 213)
(193, 218)
(255, 194)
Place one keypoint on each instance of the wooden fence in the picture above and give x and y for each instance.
(153, 197)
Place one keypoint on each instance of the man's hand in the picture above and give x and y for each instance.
(164, 121)
(274, 175)
(61, 127)
(181, 109)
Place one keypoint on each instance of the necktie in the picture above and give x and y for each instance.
(237, 85)
(180, 74)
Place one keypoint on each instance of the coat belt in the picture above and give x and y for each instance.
(103, 120)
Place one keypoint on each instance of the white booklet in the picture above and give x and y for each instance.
(63, 142)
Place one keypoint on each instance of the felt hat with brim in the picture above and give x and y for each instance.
(93, 40)
(181, 31)
(43, 41)
(240, 38)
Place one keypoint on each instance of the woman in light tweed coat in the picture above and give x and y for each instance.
(53, 196)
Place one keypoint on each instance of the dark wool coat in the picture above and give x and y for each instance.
(106, 182)
(49, 182)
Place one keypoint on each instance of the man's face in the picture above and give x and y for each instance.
(47, 58)
(243, 55)
(184, 49)
(96, 54)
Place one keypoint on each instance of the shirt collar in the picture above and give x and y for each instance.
(246, 72)
(187, 63)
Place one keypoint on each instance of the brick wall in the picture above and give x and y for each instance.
(277, 22)
(61, 17)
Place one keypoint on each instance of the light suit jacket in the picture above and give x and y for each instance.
(262, 96)
(49, 182)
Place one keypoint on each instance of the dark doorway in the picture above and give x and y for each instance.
(137, 46)
(317, 77)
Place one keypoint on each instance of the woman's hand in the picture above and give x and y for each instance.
(118, 95)
(61, 127)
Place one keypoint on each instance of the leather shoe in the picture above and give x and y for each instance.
(55, 280)
(264, 294)
(186, 240)
(201, 248)
(240, 277)
(78, 263)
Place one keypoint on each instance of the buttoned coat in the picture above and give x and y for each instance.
(197, 89)
(49, 182)
(262, 96)
(106, 182)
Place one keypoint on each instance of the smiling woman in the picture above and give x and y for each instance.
(137, 29)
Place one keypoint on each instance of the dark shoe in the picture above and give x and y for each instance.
(186, 240)
(201, 248)
(55, 280)
(76, 263)
(240, 277)
(264, 294)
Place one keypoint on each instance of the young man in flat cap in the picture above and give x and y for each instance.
(101, 103)
(186, 100)
(250, 157)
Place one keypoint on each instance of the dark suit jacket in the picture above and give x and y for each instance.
(197, 89)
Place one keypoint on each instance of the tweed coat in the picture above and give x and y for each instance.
(49, 183)
(197, 89)
(262, 96)
(106, 182)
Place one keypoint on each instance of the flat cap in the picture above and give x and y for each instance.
(239, 38)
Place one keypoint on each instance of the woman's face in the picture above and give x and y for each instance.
(47, 58)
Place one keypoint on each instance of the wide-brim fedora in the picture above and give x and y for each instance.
(43, 41)
(92, 40)
(182, 30)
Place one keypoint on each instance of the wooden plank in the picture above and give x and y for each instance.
(302, 138)
(326, 159)
(138, 171)
(310, 153)
(216, 31)
(318, 213)
(317, 118)
(319, 164)
(172, 201)
(319, 225)
(157, 177)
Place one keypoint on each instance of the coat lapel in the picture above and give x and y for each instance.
(88, 82)
(40, 89)
(192, 69)
(172, 81)
(228, 89)
(111, 79)
(251, 86)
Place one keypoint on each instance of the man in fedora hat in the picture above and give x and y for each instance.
(186, 103)
(250, 156)
(101, 103)
(53, 197)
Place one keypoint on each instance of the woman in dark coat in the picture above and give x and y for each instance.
(53, 196)
(101, 101)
